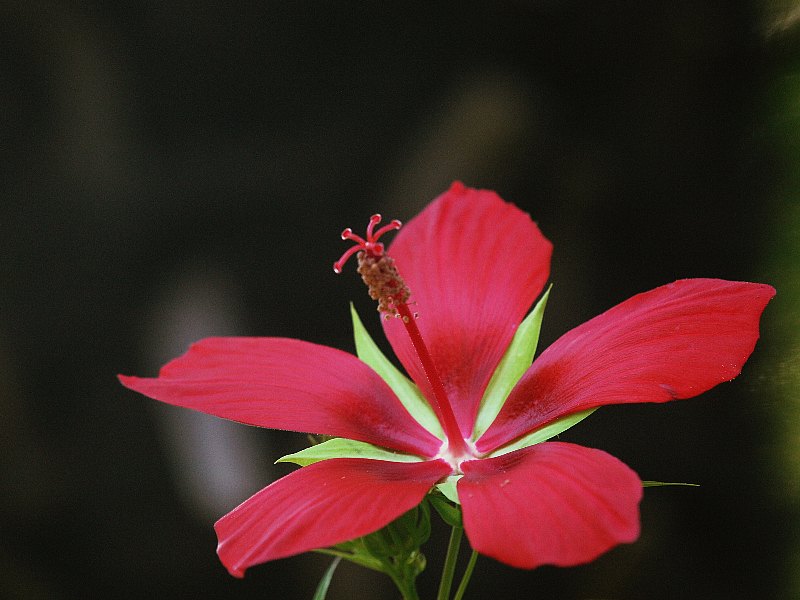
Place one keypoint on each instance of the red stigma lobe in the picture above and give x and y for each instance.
(371, 246)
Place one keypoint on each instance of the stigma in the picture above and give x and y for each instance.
(370, 245)
(376, 268)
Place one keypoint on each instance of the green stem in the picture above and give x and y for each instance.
(462, 587)
(449, 568)
(408, 590)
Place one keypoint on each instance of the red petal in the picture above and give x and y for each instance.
(673, 342)
(474, 265)
(288, 384)
(320, 505)
(552, 503)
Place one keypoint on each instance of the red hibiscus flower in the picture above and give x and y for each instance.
(476, 419)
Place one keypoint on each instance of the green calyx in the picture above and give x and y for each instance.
(512, 367)
(393, 550)
(405, 389)
(344, 448)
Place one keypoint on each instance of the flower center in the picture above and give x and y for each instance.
(385, 285)
(454, 457)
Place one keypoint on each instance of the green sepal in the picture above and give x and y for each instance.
(512, 367)
(450, 513)
(544, 433)
(325, 582)
(663, 483)
(402, 537)
(344, 448)
(411, 530)
(378, 545)
(448, 488)
(393, 549)
(349, 552)
(405, 389)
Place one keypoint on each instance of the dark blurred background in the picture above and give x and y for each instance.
(172, 170)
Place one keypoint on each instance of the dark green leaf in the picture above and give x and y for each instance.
(450, 513)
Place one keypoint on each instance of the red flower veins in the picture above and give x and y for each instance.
(547, 503)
